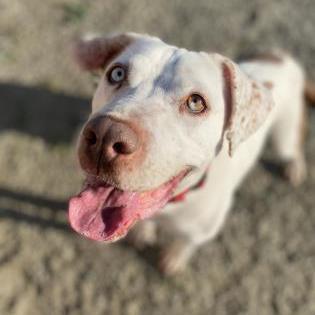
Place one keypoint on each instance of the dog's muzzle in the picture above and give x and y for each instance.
(108, 145)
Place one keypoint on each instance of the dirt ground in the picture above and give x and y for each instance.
(262, 263)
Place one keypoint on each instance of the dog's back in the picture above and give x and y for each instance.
(281, 73)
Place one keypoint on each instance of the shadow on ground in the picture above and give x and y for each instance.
(54, 117)
(52, 205)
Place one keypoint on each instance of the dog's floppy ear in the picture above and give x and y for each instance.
(95, 53)
(248, 104)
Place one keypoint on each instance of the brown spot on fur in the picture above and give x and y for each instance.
(255, 96)
(268, 85)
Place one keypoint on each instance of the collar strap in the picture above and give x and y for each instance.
(182, 196)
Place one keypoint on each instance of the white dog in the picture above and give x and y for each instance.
(179, 130)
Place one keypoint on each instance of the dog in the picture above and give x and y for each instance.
(179, 130)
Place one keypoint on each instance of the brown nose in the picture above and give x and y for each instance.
(105, 138)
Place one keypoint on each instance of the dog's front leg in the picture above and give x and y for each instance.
(205, 221)
(175, 256)
(143, 234)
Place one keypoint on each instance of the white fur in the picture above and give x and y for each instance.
(159, 77)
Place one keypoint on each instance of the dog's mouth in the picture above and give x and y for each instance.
(103, 212)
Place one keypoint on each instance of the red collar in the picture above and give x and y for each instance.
(182, 196)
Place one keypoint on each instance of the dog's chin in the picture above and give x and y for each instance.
(104, 212)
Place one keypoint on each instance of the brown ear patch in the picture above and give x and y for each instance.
(228, 95)
(97, 53)
(248, 104)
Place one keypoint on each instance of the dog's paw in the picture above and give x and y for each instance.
(142, 235)
(175, 257)
(295, 171)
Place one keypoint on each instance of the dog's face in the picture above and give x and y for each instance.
(159, 113)
(174, 100)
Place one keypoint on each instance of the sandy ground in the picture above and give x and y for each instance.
(262, 263)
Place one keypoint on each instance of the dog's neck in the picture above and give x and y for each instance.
(180, 197)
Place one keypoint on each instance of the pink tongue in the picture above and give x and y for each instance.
(106, 213)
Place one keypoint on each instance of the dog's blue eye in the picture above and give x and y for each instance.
(196, 104)
(117, 75)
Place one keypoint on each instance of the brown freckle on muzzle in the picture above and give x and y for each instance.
(109, 147)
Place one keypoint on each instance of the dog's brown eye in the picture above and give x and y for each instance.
(196, 104)
(116, 75)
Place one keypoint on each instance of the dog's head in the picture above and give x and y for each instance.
(159, 113)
